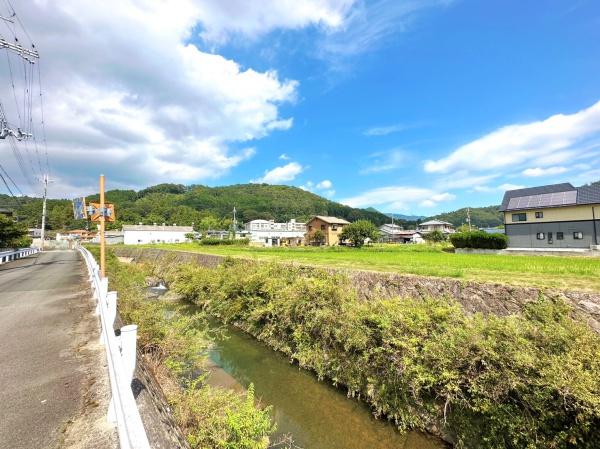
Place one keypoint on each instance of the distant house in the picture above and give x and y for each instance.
(269, 233)
(75, 234)
(436, 225)
(552, 216)
(34, 233)
(331, 227)
(142, 234)
(6, 212)
(389, 233)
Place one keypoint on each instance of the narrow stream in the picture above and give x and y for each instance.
(315, 414)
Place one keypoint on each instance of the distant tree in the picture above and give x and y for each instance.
(208, 222)
(318, 237)
(434, 236)
(359, 231)
(464, 228)
(13, 234)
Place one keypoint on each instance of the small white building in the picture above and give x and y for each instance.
(143, 234)
(269, 233)
(436, 225)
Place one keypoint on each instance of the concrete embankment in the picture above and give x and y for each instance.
(484, 297)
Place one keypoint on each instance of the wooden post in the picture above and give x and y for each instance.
(102, 225)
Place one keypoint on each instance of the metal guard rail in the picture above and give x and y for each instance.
(7, 256)
(121, 357)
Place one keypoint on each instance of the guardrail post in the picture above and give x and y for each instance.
(128, 350)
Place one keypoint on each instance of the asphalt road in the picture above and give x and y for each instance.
(48, 355)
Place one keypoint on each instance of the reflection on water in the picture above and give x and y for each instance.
(317, 415)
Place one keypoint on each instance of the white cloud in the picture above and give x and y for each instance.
(281, 174)
(396, 198)
(544, 143)
(368, 24)
(539, 171)
(461, 180)
(126, 92)
(500, 188)
(223, 18)
(508, 186)
(325, 184)
(324, 188)
(284, 157)
(383, 161)
(385, 130)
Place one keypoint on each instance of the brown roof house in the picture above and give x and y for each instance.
(329, 227)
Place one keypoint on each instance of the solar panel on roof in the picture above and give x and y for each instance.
(543, 200)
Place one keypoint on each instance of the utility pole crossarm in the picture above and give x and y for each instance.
(25, 53)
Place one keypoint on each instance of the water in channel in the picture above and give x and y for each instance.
(315, 414)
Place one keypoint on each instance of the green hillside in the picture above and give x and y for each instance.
(488, 216)
(201, 205)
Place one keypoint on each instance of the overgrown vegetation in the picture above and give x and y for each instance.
(434, 236)
(530, 381)
(479, 240)
(174, 344)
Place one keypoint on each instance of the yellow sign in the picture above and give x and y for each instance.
(109, 215)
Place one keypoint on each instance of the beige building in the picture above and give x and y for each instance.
(552, 216)
(331, 227)
(436, 225)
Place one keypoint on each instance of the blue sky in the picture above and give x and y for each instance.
(412, 107)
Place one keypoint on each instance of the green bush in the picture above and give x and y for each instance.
(359, 231)
(530, 381)
(434, 236)
(211, 241)
(479, 239)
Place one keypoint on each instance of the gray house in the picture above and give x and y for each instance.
(552, 216)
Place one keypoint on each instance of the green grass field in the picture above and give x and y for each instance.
(572, 273)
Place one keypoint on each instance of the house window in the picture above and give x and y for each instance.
(322, 227)
(519, 217)
(539, 215)
(578, 235)
(310, 228)
(334, 228)
(540, 236)
(560, 236)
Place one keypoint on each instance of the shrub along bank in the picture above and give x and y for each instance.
(479, 240)
(173, 344)
(530, 381)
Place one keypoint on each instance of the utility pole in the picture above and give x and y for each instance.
(469, 217)
(43, 233)
(102, 226)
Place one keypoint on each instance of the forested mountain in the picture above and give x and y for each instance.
(206, 207)
(488, 216)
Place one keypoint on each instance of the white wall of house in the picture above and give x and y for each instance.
(269, 233)
(139, 235)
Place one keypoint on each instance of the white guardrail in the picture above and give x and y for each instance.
(120, 355)
(7, 256)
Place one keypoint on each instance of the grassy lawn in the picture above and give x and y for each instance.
(572, 273)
